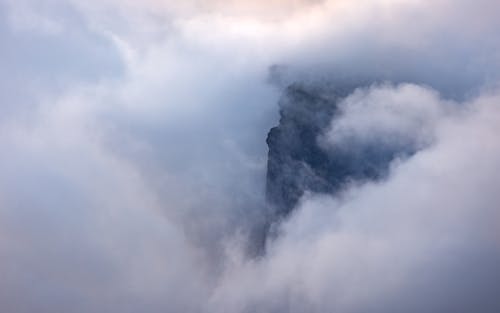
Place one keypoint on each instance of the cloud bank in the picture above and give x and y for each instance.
(133, 156)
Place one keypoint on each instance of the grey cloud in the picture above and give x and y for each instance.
(47, 48)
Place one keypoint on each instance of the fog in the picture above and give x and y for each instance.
(133, 156)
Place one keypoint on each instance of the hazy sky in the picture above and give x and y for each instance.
(133, 156)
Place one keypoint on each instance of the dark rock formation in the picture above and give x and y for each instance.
(297, 163)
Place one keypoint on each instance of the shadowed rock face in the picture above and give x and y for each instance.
(297, 163)
(295, 159)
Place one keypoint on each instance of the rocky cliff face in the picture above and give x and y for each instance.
(297, 163)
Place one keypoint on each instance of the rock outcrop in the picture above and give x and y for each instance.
(297, 163)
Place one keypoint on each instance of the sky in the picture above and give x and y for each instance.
(133, 156)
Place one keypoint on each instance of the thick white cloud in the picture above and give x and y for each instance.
(387, 119)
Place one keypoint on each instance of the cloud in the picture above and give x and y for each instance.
(425, 239)
(79, 225)
(133, 156)
(401, 118)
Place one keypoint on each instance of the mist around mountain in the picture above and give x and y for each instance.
(249, 156)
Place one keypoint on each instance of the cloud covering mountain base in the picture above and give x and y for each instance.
(133, 156)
